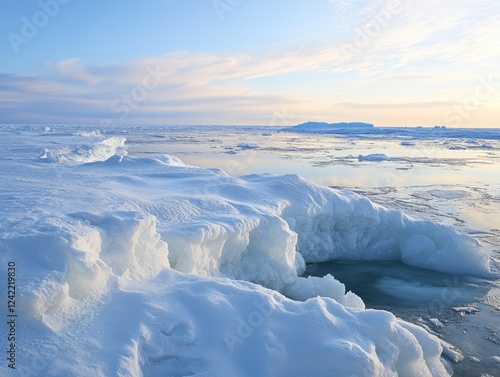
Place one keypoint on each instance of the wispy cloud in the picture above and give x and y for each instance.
(394, 105)
(183, 93)
(73, 69)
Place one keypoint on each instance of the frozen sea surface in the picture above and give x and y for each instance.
(459, 187)
(211, 259)
(449, 176)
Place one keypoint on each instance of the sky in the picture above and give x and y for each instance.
(251, 62)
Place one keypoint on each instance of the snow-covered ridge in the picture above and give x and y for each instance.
(87, 152)
(141, 260)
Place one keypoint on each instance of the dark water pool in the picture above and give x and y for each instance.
(461, 310)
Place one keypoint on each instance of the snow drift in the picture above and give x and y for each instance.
(87, 152)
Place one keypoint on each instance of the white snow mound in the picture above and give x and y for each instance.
(87, 152)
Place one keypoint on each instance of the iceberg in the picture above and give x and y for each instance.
(146, 266)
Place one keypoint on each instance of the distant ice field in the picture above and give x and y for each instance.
(430, 178)
(197, 250)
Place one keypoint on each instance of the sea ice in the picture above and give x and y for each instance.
(247, 146)
(324, 127)
(452, 352)
(436, 322)
(373, 157)
(145, 266)
(366, 130)
(465, 309)
(475, 359)
(448, 194)
(86, 152)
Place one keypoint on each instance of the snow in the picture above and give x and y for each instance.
(486, 146)
(492, 300)
(376, 157)
(247, 146)
(448, 194)
(181, 324)
(465, 309)
(407, 144)
(452, 352)
(436, 322)
(88, 152)
(145, 266)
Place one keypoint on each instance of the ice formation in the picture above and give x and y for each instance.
(373, 157)
(247, 146)
(146, 266)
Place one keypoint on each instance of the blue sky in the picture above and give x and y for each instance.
(389, 62)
